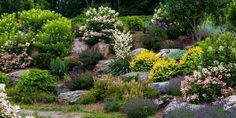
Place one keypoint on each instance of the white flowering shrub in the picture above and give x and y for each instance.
(210, 84)
(122, 43)
(159, 13)
(6, 109)
(100, 24)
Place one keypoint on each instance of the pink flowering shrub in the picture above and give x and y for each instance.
(10, 62)
(210, 84)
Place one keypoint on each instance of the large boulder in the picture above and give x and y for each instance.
(169, 87)
(140, 75)
(16, 75)
(225, 108)
(70, 97)
(136, 51)
(78, 47)
(103, 49)
(102, 66)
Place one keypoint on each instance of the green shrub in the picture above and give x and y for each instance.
(140, 108)
(133, 23)
(42, 60)
(114, 87)
(220, 49)
(87, 98)
(89, 59)
(4, 78)
(230, 15)
(112, 105)
(35, 82)
(119, 66)
(154, 38)
(197, 11)
(56, 37)
(58, 67)
(81, 82)
(34, 19)
(8, 23)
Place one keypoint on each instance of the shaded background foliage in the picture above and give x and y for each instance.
(71, 8)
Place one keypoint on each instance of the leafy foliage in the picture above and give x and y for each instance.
(58, 67)
(89, 59)
(144, 61)
(119, 66)
(33, 83)
(4, 78)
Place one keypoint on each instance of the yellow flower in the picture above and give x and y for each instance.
(144, 61)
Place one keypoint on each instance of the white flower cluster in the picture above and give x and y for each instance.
(159, 13)
(101, 23)
(122, 43)
(6, 109)
(103, 15)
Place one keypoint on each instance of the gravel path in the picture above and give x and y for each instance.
(51, 114)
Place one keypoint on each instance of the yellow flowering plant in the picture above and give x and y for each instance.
(190, 60)
(163, 70)
(144, 61)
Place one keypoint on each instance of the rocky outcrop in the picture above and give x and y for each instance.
(70, 97)
(168, 86)
(102, 66)
(16, 75)
(78, 47)
(102, 48)
(222, 109)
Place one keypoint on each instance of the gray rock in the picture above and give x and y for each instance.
(140, 75)
(164, 52)
(230, 102)
(70, 97)
(103, 49)
(136, 51)
(168, 86)
(161, 87)
(16, 75)
(225, 108)
(61, 88)
(102, 66)
(78, 47)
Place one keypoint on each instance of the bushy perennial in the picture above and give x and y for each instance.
(100, 25)
(122, 43)
(144, 61)
(209, 84)
(6, 109)
(163, 70)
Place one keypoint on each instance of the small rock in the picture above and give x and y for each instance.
(16, 75)
(140, 75)
(136, 51)
(70, 97)
(78, 47)
(102, 66)
(161, 87)
(102, 48)
(165, 52)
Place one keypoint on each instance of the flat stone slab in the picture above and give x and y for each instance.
(140, 75)
(70, 97)
(50, 114)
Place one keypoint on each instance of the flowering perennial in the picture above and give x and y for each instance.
(209, 84)
(100, 25)
(6, 109)
(122, 43)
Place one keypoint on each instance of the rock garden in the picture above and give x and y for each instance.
(172, 59)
